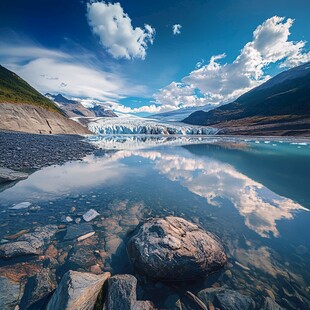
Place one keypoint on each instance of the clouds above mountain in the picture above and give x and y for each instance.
(116, 33)
(220, 82)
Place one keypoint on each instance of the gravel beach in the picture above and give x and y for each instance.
(22, 151)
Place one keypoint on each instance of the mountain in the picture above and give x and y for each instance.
(23, 108)
(14, 89)
(74, 108)
(279, 106)
(100, 111)
(179, 114)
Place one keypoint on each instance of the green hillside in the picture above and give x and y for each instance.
(14, 89)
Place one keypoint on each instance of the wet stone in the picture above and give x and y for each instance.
(90, 215)
(83, 256)
(9, 175)
(77, 290)
(192, 251)
(122, 294)
(10, 293)
(77, 230)
(270, 304)
(21, 205)
(38, 289)
(232, 300)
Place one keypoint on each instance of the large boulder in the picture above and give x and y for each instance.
(77, 291)
(173, 249)
(122, 294)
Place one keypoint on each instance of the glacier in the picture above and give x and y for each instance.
(136, 125)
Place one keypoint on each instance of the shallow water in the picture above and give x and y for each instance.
(253, 193)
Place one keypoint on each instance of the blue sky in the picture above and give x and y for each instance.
(126, 54)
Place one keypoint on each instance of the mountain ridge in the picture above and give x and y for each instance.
(283, 98)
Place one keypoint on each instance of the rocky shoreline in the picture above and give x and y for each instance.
(30, 278)
(24, 152)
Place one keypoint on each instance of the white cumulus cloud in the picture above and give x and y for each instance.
(176, 29)
(221, 82)
(116, 33)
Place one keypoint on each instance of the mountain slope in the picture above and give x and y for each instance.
(22, 108)
(74, 108)
(284, 98)
(14, 89)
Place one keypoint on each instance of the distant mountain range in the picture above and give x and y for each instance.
(179, 114)
(73, 108)
(23, 108)
(279, 106)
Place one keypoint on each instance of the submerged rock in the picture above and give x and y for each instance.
(9, 175)
(30, 243)
(270, 304)
(173, 249)
(226, 299)
(232, 300)
(21, 205)
(90, 215)
(122, 294)
(77, 291)
(77, 230)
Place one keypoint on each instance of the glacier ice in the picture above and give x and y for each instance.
(136, 125)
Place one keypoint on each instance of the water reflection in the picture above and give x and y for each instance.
(219, 183)
(214, 180)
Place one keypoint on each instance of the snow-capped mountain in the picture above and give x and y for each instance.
(76, 108)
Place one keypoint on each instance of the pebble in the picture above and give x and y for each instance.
(90, 215)
(37, 151)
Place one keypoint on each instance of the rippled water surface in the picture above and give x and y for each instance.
(254, 194)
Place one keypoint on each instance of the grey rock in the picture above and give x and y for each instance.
(66, 219)
(173, 249)
(10, 293)
(226, 299)
(77, 291)
(18, 248)
(22, 205)
(78, 230)
(90, 215)
(122, 294)
(28, 244)
(270, 304)
(40, 236)
(232, 300)
(8, 175)
(39, 287)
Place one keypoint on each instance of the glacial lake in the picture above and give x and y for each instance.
(252, 193)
